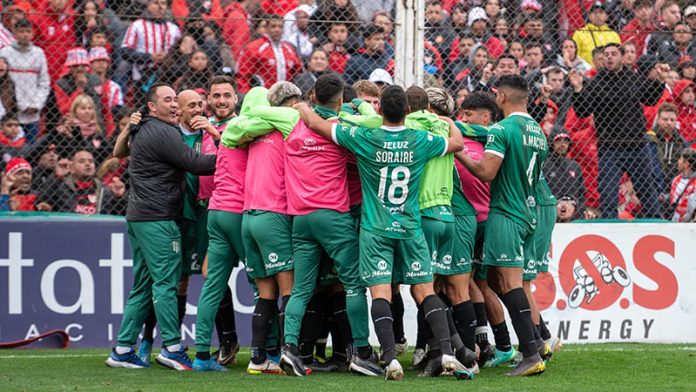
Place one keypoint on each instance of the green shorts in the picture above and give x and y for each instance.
(507, 243)
(439, 236)
(385, 260)
(267, 239)
(194, 241)
(463, 250)
(355, 212)
(480, 271)
(547, 221)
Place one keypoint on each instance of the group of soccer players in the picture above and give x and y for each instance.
(325, 200)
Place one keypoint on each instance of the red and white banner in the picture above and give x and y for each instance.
(621, 282)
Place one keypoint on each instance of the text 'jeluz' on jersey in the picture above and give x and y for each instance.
(394, 156)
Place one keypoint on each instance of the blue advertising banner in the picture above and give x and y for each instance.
(74, 274)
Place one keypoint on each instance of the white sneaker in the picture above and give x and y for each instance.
(418, 357)
(451, 365)
(555, 343)
(401, 347)
(267, 367)
(394, 371)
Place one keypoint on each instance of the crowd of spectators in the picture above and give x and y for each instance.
(612, 83)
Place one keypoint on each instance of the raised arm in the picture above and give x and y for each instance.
(486, 169)
(314, 121)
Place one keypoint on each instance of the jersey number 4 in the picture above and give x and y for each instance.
(398, 184)
(530, 169)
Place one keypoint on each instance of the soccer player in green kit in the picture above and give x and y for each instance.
(514, 154)
(391, 161)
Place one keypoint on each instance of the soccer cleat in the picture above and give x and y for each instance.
(177, 360)
(128, 360)
(316, 366)
(487, 352)
(500, 357)
(402, 347)
(291, 363)
(450, 364)
(419, 357)
(145, 351)
(545, 352)
(433, 367)
(394, 371)
(475, 369)
(367, 366)
(555, 343)
(531, 366)
(228, 353)
(267, 367)
(207, 365)
(466, 357)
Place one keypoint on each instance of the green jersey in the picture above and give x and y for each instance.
(543, 193)
(436, 186)
(520, 142)
(461, 206)
(391, 161)
(193, 140)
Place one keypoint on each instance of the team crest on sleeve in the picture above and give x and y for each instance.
(491, 138)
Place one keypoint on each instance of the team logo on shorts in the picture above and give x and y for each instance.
(396, 224)
(382, 265)
(447, 259)
(416, 266)
(273, 257)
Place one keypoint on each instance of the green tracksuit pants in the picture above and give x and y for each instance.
(156, 249)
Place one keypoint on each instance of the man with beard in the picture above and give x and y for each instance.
(159, 161)
(15, 188)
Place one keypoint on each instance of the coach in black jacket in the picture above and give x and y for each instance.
(159, 162)
(616, 96)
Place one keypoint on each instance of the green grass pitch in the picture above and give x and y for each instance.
(605, 367)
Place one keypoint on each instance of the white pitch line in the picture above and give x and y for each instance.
(36, 356)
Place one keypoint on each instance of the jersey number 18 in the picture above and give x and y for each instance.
(399, 183)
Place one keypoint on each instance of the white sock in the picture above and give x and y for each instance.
(174, 348)
(120, 350)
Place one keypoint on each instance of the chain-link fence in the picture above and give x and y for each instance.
(71, 73)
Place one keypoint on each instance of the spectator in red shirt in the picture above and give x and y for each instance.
(55, 34)
(110, 92)
(15, 188)
(683, 190)
(684, 98)
(638, 30)
(235, 25)
(268, 59)
(78, 81)
(11, 132)
(338, 54)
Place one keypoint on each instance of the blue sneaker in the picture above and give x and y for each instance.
(145, 351)
(207, 365)
(177, 360)
(128, 360)
(274, 358)
(501, 357)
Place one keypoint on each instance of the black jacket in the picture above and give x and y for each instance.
(616, 99)
(159, 161)
(564, 177)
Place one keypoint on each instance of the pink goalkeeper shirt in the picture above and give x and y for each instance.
(206, 184)
(230, 170)
(264, 187)
(477, 192)
(315, 172)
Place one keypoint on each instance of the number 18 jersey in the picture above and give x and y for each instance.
(519, 140)
(391, 161)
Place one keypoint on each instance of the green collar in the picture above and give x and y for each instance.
(325, 112)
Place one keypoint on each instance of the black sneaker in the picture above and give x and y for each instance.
(366, 366)
(433, 367)
(316, 366)
(466, 357)
(487, 352)
(228, 353)
(290, 361)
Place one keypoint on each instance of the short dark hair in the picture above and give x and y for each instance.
(222, 79)
(371, 30)
(23, 23)
(151, 95)
(533, 45)
(349, 93)
(507, 56)
(9, 116)
(480, 100)
(328, 89)
(417, 98)
(431, 3)
(518, 84)
(643, 4)
(393, 104)
(270, 17)
(689, 155)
